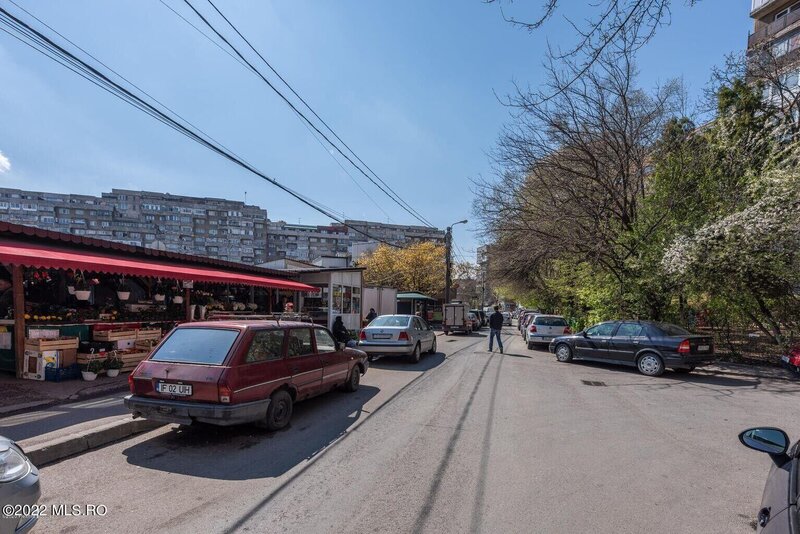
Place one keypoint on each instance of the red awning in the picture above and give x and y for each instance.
(50, 257)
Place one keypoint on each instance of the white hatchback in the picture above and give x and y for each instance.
(544, 328)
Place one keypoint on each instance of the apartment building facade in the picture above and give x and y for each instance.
(773, 49)
(217, 228)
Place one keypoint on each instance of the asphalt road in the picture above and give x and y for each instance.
(470, 442)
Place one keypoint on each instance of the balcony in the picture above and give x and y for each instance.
(772, 29)
(758, 4)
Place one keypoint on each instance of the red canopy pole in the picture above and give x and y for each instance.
(18, 293)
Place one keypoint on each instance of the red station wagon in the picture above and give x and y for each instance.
(232, 372)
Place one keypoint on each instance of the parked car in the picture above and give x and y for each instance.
(482, 318)
(397, 335)
(474, 321)
(232, 372)
(19, 488)
(506, 318)
(791, 361)
(649, 346)
(778, 513)
(526, 320)
(544, 328)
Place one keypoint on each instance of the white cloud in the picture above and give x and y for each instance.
(5, 164)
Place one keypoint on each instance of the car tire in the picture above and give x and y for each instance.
(684, 370)
(563, 353)
(530, 345)
(433, 346)
(414, 356)
(650, 364)
(353, 380)
(279, 412)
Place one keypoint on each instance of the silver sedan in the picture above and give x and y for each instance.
(19, 489)
(397, 335)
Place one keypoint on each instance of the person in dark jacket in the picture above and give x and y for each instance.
(495, 327)
(340, 332)
(371, 315)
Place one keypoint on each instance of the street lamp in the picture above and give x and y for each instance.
(448, 239)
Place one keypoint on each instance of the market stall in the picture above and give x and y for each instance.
(98, 306)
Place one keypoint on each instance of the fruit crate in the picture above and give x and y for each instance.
(59, 343)
(58, 374)
(114, 335)
(148, 333)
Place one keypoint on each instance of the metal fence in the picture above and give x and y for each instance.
(747, 345)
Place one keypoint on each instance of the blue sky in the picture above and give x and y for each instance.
(410, 86)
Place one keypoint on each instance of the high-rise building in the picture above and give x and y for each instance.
(217, 228)
(773, 49)
(224, 229)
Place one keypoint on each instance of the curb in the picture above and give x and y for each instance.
(59, 448)
(15, 409)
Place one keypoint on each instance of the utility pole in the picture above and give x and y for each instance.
(448, 246)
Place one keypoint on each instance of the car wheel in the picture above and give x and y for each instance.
(650, 364)
(530, 345)
(353, 380)
(433, 346)
(684, 370)
(563, 353)
(279, 412)
(414, 356)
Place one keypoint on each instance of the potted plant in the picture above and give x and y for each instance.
(83, 290)
(89, 370)
(159, 293)
(123, 289)
(177, 298)
(113, 364)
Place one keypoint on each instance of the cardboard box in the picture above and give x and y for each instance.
(33, 365)
(68, 357)
(51, 358)
(124, 344)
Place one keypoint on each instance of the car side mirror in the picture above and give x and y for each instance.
(773, 441)
(584, 334)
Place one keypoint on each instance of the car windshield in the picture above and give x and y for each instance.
(672, 330)
(390, 320)
(207, 346)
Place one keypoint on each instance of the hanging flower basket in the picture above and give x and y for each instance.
(83, 294)
(71, 290)
(123, 295)
(88, 376)
(159, 297)
(177, 299)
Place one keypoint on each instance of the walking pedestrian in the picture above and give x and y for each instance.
(340, 332)
(495, 328)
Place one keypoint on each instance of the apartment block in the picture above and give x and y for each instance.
(217, 228)
(306, 242)
(774, 42)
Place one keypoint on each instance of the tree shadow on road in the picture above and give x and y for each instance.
(245, 452)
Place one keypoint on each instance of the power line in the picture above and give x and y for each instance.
(46, 46)
(283, 97)
(306, 104)
(243, 64)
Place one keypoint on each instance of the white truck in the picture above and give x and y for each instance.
(455, 318)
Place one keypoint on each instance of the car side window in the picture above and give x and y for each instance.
(266, 345)
(300, 342)
(603, 329)
(325, 342)
(417, 324)
(629, 330)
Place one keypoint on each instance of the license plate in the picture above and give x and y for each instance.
(703, 348)
(174, 389)
(785, 359)
(381, 336)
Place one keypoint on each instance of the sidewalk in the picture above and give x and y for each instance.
(18, 395)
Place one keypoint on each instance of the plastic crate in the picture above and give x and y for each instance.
(57, 374)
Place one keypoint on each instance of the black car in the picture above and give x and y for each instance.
(650, 346)
(779, 513)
